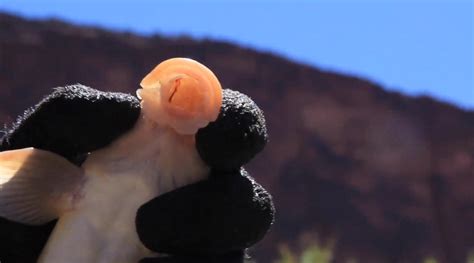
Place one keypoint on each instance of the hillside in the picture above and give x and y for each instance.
(389, 177)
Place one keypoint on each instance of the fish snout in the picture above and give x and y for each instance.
(181, 93)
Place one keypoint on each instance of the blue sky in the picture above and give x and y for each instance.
(416, 47)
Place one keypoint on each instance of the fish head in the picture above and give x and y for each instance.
(181, 93)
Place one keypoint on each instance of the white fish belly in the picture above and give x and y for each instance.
(119, 179)
(102, 228)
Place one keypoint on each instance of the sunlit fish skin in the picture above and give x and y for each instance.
(97, 203)
(120, 178)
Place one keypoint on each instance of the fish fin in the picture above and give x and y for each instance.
(37, 186)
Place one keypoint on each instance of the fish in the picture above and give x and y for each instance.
(96, 203)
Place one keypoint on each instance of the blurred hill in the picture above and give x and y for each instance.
(383, 176)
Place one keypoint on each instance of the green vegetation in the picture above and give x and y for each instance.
(430, 260)
(470, 257)
(316, 253)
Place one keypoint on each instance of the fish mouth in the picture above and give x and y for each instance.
(181, 93)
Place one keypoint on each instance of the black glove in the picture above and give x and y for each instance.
(216, 219)
(71, 122)
(75, 120)
(236, 257)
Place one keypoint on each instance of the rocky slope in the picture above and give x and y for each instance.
(385, 177)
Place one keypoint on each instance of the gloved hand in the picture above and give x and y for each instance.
(215, 218)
